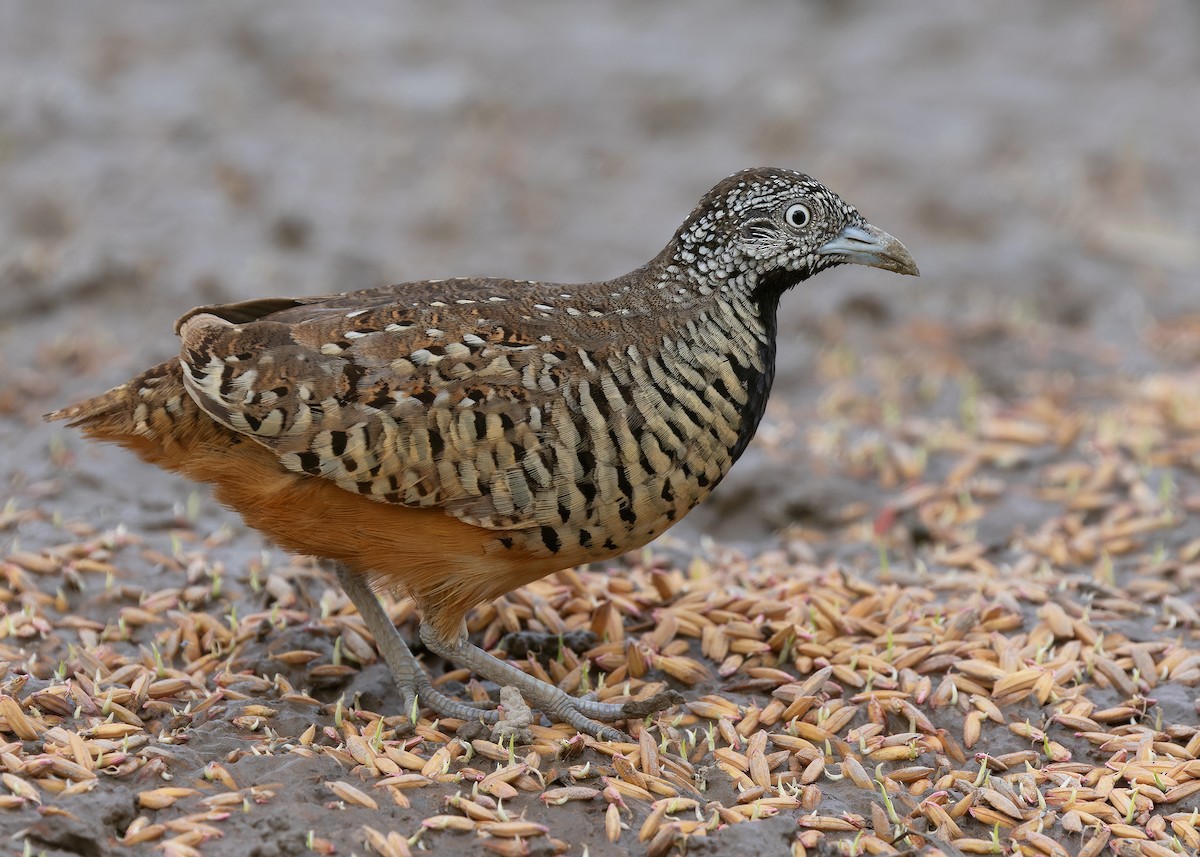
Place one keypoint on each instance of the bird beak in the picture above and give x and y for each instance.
(863, 244)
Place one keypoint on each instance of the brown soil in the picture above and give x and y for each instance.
(973, 500)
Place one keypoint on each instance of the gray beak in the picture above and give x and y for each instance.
(863, 244)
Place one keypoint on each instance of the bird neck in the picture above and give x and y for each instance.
(760, 375)
(729, 312)
(707, 269)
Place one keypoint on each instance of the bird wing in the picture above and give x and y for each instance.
(382, 393)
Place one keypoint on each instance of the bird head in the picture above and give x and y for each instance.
(779, 227)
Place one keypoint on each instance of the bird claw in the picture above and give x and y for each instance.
(611, 733)
(639, 708)
(632, 710)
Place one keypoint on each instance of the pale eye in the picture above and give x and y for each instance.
(797, 216)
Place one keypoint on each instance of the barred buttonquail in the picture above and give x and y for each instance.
(456, 439)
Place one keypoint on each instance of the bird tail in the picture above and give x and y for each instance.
(152, 415)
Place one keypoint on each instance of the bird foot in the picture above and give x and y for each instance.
(586, 715)
(520, 691)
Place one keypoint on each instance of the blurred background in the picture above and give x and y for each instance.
(1041, 161)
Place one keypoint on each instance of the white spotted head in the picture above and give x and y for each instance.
(777, 226)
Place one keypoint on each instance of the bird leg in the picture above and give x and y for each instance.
(583, 714)
(411, 680)
(415, 687)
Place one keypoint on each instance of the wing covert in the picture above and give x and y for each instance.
(368, 392)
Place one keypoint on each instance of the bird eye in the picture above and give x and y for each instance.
(797, 216)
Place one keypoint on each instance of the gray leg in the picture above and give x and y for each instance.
(583, 714)
(411, 679)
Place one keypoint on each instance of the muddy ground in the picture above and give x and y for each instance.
(1040, 163)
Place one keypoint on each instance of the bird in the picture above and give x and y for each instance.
(456, 439)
